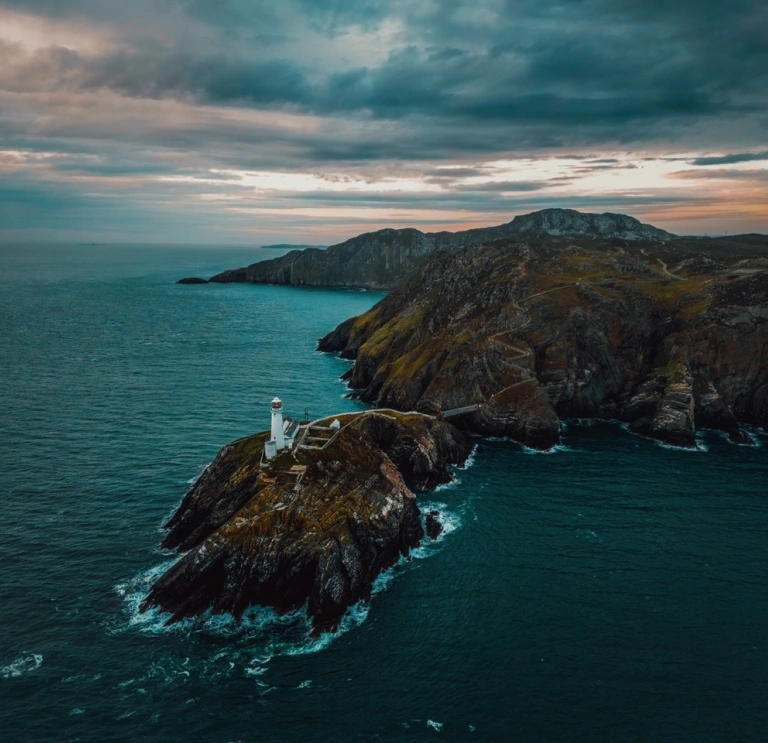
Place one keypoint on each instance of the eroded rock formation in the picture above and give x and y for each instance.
(668, 336)
(314, 527)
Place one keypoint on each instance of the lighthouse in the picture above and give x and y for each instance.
(277, 424)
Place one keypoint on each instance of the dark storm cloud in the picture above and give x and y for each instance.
(743, 157)
(173, 89)
(154, 72)
(584, 65)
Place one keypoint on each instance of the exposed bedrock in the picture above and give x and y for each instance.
(285, 537)
(536, 331)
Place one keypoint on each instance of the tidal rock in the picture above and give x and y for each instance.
(192, 280)
(432, 525)
(313, 528)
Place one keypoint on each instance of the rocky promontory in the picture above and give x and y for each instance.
(192, 280)
(378, 260)
(313, 527)
(667, 335)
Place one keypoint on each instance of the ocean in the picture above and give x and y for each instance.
(611, 590)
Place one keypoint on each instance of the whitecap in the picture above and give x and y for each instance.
(135, 591)
(76, 711)
(699, 447)
(25, 664)
(266, 633)
(438, 726)
(469, 461)
(557, 448)
(450, 485)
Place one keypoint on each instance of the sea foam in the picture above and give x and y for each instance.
(25, 664)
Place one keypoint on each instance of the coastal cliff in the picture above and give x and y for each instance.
(665, 335)
(313, 527)
(377, 260)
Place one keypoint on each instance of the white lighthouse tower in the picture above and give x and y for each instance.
(277, 424)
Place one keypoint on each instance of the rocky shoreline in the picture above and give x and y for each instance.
(314, 527)
(667, 338)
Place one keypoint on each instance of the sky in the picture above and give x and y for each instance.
(310, 121)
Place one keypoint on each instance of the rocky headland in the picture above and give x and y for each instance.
(313, 527)
(378, 260)
(192, 280)
(666, 334)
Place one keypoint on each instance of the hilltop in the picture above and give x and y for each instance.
(377, 260)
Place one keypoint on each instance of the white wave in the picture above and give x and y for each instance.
(699, 447)
(261, 634)
(76, 711)
(556, 449)
(195, 478)
(135, 591)
(25, 664)
(305, 684)
(755, 435)
(450, 485)
(435, 725)
(469, 461)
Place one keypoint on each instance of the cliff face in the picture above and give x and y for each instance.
(379, 259)
(315, 527)
(666, 336)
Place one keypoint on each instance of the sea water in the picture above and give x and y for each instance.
(612, 591)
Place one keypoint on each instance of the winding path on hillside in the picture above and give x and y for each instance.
(664, 267)
(521, 354)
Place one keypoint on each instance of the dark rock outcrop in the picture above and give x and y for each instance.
(666, 336)
(192, 280)
(432, 525)
(379, 259)
(313, 528)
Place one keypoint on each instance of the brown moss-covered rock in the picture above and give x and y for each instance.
(315, 527)
(664, 334)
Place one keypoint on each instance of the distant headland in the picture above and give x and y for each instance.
(554, 315)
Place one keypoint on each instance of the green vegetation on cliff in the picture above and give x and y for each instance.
(667, 335)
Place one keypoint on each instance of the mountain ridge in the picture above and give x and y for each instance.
(377, 260)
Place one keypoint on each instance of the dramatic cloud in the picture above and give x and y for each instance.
(743, 157)
(239, 120)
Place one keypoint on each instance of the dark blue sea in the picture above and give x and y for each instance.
(612, 590)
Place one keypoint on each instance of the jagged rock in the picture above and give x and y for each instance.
(432, 525)
(285, 537)
(528, 332)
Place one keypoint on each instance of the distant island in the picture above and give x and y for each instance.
(286, 246)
